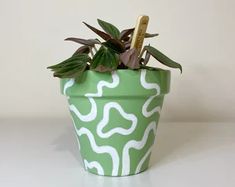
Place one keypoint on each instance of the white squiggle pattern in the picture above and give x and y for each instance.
(101, 149)
(103, 83)
(93, 113)
(67, 85)
(136, 145)
(88, 117)
(148, 101)
(117, 130)
(94, 164)
(138, 168)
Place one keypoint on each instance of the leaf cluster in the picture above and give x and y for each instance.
(112, 53)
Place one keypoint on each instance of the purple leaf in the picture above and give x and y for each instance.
(130, 58)
(125, 33)
(99, 32)
(148, 35)
(90, 42)
(146, 58)
(127, 45)
(162, 58)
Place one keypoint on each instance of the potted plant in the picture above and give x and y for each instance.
(114, 98)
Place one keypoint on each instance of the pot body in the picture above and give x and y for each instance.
(115, 116)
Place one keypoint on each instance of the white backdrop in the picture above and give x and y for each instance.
(198, 34)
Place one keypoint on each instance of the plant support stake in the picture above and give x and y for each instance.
(139, 32)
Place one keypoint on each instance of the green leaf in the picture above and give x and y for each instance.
(115, 45)
(104, 60)
(72, 67)
(72, 72)
(78, 57)
(162, 58)
(149, 67)
(82, 49)
(97, 31)
(61, 65)
(109, 28)
(68, 67)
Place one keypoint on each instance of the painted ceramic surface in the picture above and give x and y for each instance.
(115, 116)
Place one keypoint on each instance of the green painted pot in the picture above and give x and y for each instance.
(115, 117)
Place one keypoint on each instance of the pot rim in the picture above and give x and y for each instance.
(87, 83)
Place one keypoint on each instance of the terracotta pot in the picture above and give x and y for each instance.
(115, 117)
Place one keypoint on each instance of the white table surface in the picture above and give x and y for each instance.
(43, 153)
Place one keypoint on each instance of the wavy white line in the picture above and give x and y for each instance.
(138, 168)
(94, 164)
(68, 84)
(88, 117)
(118, 130)
(101, 149)
(147, 85)
(136, 145)
(103, 83)
(93, 113)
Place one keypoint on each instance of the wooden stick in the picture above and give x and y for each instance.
(139, 32)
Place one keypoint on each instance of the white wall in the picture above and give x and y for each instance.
(198, 34)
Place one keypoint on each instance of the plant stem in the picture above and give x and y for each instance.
(95, 48)
(92, 54)
(142, 52)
